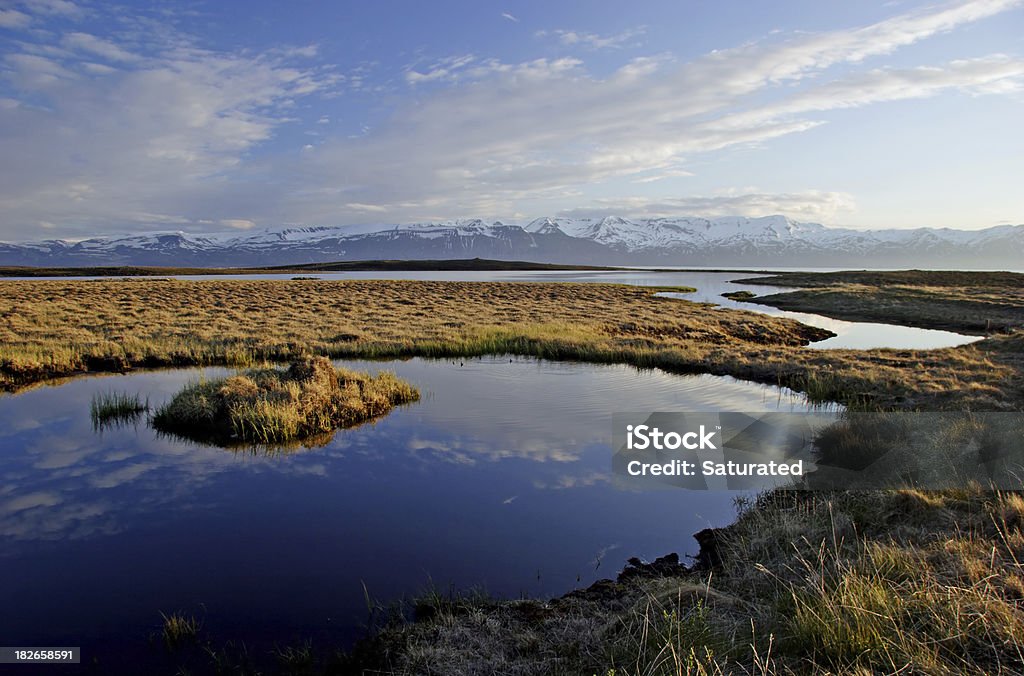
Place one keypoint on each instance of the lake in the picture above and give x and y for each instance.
(498, 478)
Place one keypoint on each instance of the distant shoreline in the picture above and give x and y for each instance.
(383, 265)
(339, 266)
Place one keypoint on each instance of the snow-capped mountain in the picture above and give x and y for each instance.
(729, 241)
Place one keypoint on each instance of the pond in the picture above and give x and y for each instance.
(498, 478)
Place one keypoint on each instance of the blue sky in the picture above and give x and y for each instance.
(219, 116)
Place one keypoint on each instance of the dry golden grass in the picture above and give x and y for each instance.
(57, 328)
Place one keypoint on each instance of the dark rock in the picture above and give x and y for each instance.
(109, 363)
(709, 557)
(664, 566)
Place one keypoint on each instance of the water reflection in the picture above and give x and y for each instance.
(498, 477)
(849, 335)
(482, 411)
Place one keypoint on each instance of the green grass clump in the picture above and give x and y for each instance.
(271, 406)
(112, 409)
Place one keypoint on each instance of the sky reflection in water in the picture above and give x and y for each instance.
(498, 477)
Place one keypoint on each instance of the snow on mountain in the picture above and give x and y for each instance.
(734, 240)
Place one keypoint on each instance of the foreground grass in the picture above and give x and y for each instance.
(852, 582)
(271, 406)
(977, 303)
(59, 328)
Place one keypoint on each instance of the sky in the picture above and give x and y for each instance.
(232, 115)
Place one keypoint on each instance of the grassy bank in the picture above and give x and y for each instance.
(845, 583)
(58, 328)
(272, 406)
(834, 582)
(976, 303)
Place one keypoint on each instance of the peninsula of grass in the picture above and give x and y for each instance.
(739, 295)
(273, 406)
(56, 328)
(975, 303)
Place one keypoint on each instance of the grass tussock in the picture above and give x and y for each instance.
(113, 409)
(57, 328)
(179, 629)
(272, 406)
(852, 583)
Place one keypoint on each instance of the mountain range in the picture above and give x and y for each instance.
(684, 241)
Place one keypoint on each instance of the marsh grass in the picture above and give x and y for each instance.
(57, 328)
(115, 409)
(179, 629)
(296, 659)
(273, 406)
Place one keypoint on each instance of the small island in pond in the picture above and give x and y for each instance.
(270, 406)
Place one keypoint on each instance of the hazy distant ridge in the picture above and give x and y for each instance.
(771, 240)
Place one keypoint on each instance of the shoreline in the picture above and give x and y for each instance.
(856, 581)
(454, 264)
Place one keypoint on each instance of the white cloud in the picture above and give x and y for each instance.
(510, 17)
(811, 205)
(445, 69)
(97, 68)
(33, 72)
(238, 223)
(92, 44)
(665, 174)
(62, 8)
(356, 206)
(12, 18)
(571, 38)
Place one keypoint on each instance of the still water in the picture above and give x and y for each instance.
(498, 478)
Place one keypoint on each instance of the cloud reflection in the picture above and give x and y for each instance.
(547, 424)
